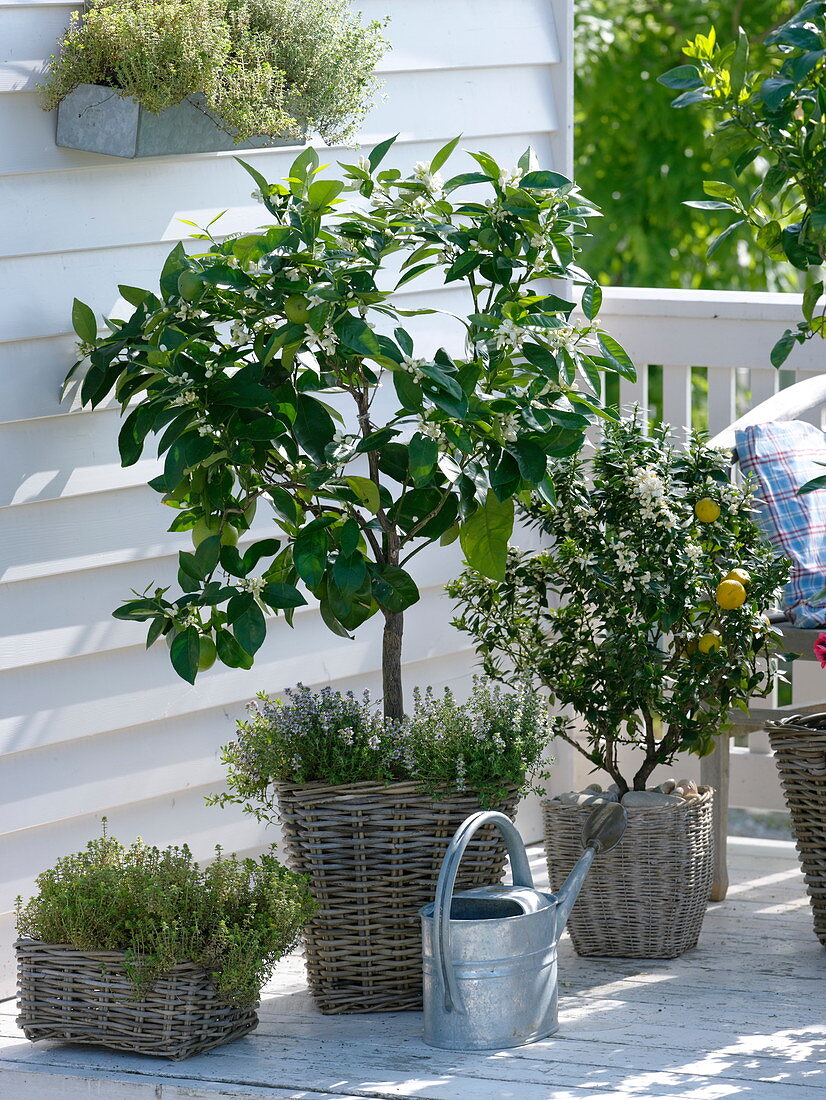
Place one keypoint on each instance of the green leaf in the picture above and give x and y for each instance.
(423, 453)
(366, 491)
(774, 91)
(185, 653)
(709, 204)
(277, 594)
(461, 267)
(617, 356)
(780, 351)
(505, 478)
(133, 294)
(689, 98)
(811, 296)
(717, 190)
(314, 427)
(464, 179)
(357, 335)
(532, 460)
(592, 300)
(248, 623)
(83, 322)
(349, 573)
(266, 548)
(302, 170)
(544, 181)
(739, 63)
(443, 154)
(207, 554)
(379, 152)
(394, 589)
(230, 652)
(729, 231)
(136, 610)
(323, 193)
(484, 537)
(683, 78)
(310, 553)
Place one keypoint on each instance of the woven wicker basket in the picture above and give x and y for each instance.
(799, 744)
(373, 853)
(646, 898)
(86, 997)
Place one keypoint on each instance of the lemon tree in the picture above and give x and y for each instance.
(256, 366)
(645, 615)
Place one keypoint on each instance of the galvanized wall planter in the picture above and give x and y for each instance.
(98, 120)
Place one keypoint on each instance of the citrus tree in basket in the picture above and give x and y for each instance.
(259, 368)
(645, 613)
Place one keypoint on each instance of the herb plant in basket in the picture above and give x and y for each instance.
(162, 931)
(367, 806)
(645, 617)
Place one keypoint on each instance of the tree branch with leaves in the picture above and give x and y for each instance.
(257, 369)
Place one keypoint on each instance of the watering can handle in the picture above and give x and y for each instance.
(520, 872)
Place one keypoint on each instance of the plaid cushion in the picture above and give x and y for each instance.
(782, 457)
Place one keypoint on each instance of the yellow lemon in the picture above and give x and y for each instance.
(707, 510)
(297, 309)
(730, 594)
(709, 641)
(741, 575)
(206, 658)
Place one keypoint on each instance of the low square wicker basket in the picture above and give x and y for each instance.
(86, 997)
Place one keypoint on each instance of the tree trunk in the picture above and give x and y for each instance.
(391, 665)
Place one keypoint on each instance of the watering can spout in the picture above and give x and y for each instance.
(603, 830)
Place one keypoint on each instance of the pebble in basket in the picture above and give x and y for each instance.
(142, 950)
(367, 806)
(645, 617)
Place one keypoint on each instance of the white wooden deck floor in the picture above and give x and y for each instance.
(742, 1016)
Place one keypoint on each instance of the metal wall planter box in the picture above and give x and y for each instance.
(98, 120)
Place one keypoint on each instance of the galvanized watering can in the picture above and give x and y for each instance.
(490, 953)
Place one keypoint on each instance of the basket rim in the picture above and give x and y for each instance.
(401, 786)
(798, 723)
(102, 954)
(706, 794)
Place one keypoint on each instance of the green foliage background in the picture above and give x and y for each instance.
(638, 159)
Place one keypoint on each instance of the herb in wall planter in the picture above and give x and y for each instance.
(148, 77)
(260, 363)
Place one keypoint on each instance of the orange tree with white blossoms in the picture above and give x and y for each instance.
(645, 615)
(258, 364)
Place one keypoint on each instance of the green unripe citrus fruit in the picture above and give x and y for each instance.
(204, 529)
(208, 654)
(297, 309)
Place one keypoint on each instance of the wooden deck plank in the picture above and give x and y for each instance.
(743, 1016)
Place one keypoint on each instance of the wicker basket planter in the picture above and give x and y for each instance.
(646, 898)
(86, 997)
(799, 744)
(373, 854)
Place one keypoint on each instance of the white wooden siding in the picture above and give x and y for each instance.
(89, 723)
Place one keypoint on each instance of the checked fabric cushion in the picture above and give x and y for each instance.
(782, 457)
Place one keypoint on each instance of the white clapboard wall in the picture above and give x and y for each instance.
(91, 724)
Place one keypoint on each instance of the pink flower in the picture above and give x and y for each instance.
(820, 649)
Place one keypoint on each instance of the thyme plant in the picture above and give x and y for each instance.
(487, 745)
(282, 68)
(645, 614)
(774, 115)
(235, 918)
(259, 365)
